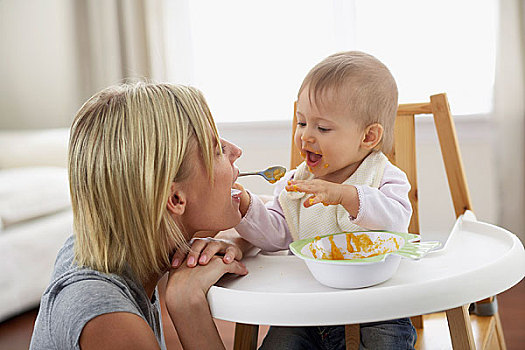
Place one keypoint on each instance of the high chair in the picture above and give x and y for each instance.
(488, 331)
(281, 290)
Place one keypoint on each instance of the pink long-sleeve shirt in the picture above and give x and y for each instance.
(384, 208)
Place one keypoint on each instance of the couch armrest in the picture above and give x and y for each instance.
(41, 147)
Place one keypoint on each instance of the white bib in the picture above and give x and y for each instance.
(319, 219)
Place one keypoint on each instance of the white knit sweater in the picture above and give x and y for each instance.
(320, 220)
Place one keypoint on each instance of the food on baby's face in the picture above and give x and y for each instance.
(326, 165)
(358, 246)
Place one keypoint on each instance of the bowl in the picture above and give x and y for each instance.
(358, 259)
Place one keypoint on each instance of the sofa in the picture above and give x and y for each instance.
(35, 214)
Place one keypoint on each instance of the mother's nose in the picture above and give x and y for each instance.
(236, 151)
(232, 150)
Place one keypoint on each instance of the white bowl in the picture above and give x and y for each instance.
(370, 261)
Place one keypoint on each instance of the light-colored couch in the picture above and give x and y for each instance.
(35, 214)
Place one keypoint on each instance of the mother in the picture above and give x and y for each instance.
(147, 170)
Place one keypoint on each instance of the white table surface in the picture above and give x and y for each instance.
(480, 260)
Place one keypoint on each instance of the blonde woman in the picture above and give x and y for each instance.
(147, 170)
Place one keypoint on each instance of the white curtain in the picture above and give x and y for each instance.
(119, 40)
(510, 116)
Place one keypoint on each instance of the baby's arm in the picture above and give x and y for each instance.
(264, 225)
(384, 208)
(387, 207)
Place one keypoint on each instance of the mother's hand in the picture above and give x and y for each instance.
(202, 277)
(203, 249)
(187, 304)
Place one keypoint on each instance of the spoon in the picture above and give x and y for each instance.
(272, 174)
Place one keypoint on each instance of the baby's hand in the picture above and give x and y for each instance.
(245, 199)
(327, 193)
(203, 249)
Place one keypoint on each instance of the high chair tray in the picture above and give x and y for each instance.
(478, 260)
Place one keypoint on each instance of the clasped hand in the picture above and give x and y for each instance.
(202, 262)
(204, 248)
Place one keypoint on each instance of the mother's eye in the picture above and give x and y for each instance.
(220, 150)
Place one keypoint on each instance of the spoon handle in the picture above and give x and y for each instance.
(252, 173)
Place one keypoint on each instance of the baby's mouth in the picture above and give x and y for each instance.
(313, 159)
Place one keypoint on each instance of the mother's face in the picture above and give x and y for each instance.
(210, 206)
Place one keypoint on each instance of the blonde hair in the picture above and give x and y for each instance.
(128, 144)
(363, 84)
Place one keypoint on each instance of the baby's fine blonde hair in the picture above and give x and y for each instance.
(360, 82)
(128, 144)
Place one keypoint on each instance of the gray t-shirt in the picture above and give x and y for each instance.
(76, 295)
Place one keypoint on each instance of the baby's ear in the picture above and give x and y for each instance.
(372, 136)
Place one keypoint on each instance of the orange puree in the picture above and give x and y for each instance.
(357, 245)
(349, 243)
(336, 253)
(293, 189)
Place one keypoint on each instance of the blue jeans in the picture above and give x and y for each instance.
(394, 334)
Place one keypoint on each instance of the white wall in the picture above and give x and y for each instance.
(38, 79)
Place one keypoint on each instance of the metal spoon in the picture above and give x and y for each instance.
(272, 174)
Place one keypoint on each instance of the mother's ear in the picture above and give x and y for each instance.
(177, 200)
(372, 136)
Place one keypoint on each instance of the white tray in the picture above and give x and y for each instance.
(478, 260)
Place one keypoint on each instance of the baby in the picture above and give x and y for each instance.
(346, 109)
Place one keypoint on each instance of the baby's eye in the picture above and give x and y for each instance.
(301, 124)
(321, 129)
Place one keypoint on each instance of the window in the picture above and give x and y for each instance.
(249, 57)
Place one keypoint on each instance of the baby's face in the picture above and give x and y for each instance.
(328, 138)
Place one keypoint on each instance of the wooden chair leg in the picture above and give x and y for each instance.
(352, 336)
(460, 328)
(499, 332)
(417, 321)
(245, 336)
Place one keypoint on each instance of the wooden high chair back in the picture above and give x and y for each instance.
(403, 155)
